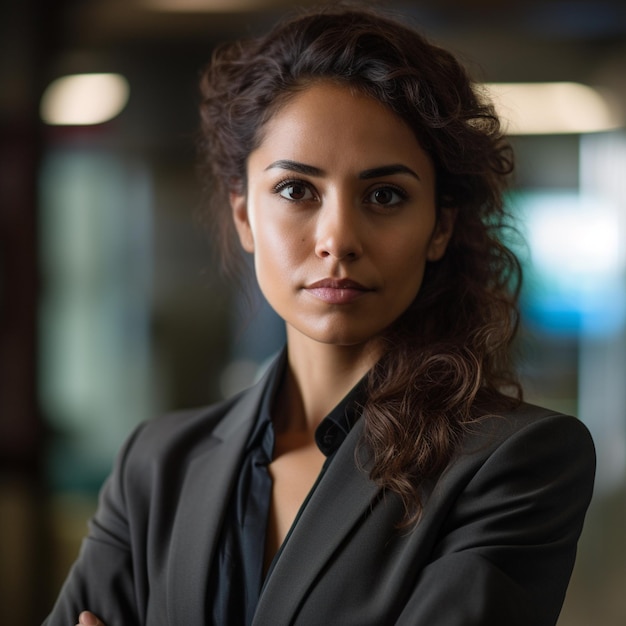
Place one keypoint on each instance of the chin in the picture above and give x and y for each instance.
(348, 337)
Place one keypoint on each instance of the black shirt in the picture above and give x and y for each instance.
(236, 576)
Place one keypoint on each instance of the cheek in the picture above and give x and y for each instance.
(408, 266)
(283, 227)
(408, 250)
(277, 251)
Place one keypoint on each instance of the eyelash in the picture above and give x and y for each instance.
(285, 184)
(292, 182)
(403, 195)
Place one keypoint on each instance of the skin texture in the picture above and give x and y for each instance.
(334, 217)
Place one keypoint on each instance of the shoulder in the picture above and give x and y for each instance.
(164, 447)
(160, 454)
(527, 442)
(168, 443)
(516, 469)
(186, 426)
(192, 428)
(526, 422)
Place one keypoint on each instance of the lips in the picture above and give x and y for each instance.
(337, 291)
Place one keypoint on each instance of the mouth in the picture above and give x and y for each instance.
(337, 291)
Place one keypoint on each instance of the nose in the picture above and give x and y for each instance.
(337, 233)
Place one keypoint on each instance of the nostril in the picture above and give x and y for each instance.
(339, 254)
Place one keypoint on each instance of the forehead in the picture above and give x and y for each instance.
(335, 122)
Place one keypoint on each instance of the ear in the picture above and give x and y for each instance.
(442, 233)
(239, 207)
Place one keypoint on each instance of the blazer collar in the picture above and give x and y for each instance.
(203, 499)
(338, 503)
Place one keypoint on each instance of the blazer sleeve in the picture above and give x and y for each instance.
(103, 578)
(507, 549)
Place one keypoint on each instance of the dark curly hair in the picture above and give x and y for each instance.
(447, 359)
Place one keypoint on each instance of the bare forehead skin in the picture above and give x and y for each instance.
(315, 124)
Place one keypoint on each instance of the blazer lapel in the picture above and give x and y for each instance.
(203, 500)
(339, 501)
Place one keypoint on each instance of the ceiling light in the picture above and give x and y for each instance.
(203, 6)
(553, 108)
(83, 99)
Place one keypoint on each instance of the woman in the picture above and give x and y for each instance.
(385, 469)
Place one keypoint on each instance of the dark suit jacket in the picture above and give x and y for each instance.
(495, 546)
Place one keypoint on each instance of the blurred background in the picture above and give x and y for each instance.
(112, 309)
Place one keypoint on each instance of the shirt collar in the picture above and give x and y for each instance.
(262, 434)
(332, 430)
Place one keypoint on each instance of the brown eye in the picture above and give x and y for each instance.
(383, 196)
(386, 196)
(295, 191)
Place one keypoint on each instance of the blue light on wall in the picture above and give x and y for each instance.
(575, 273)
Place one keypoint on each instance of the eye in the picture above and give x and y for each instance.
(386, 196)
(294, 190)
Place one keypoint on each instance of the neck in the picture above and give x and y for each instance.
(318, 376)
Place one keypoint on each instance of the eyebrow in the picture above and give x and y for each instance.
(375, 172)
(388, 170)
(295, 166)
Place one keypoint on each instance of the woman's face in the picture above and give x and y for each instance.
(340, 215)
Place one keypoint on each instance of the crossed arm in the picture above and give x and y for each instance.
(542, 474)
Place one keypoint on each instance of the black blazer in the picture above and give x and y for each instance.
(495, 546)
